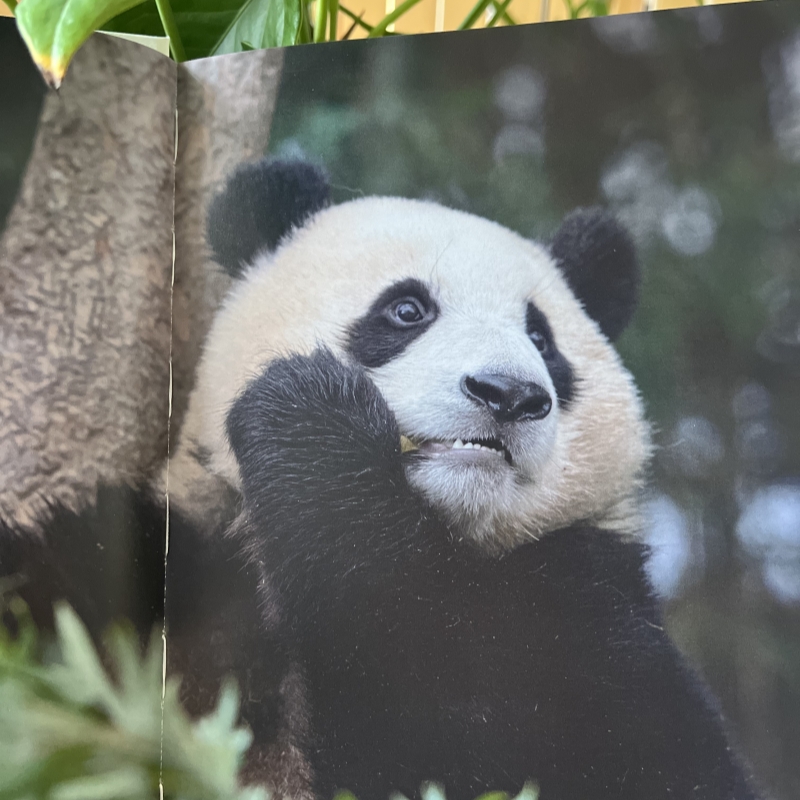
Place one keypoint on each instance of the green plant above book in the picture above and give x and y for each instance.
(54, 29)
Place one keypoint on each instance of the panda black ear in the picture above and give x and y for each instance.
(598, 259)
(261, 203)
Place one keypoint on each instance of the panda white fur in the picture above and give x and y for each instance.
(433, 454)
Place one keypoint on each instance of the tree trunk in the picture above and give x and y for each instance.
(85, 266)
(225, 107)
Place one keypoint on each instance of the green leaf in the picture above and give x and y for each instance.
(70, 732)
(122, 783)
(203, 24)
(81, 676)
(261, 23)
(345, 795)
(53, 30)
(200, 23)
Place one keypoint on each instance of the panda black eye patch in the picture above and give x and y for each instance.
(541, 336)
(399, 315)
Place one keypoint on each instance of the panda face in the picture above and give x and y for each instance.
(470, 366)
(511, 400)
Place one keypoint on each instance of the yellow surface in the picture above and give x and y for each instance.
(423, 17)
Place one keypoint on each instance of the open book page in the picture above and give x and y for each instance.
(479, 384)
(86, 251)
(470, 403)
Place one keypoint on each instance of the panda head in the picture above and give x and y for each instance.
(493, 352)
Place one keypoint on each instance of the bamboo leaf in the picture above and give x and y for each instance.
(475, 14)
(54, 30)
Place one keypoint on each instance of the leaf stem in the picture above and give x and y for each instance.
(475, 14)
(380, 28)
(334, 18)
(498, 13)
(357, 19)
(12, 4)
(320, 21)
(304, 33)
(504, 14)
(171, 29)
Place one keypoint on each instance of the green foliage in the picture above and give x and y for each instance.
(68, 731)
(588, 8)
(258, 25)
(432, 791)
(54, 29)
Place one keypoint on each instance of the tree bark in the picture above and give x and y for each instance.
(225, 107)
(85, 265)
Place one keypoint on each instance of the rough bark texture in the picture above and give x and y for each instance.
(225, 107)
(85, 265)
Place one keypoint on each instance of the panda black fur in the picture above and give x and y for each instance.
(438, 640)
(427, 659)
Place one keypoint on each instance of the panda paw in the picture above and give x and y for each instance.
(311, 423)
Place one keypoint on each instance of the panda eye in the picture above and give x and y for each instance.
(406, 312)
(540, 341)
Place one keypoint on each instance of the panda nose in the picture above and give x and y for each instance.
(508, 399)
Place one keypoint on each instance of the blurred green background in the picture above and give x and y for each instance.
(687, 124)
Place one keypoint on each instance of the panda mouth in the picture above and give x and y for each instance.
(461, 448)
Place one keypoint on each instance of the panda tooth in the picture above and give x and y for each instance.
(460, 444)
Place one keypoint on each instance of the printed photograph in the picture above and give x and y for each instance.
(86, 199)
(472, 407)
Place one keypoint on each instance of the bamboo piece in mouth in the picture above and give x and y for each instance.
(406, 445)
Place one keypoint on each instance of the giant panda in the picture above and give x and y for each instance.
(410, 524)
